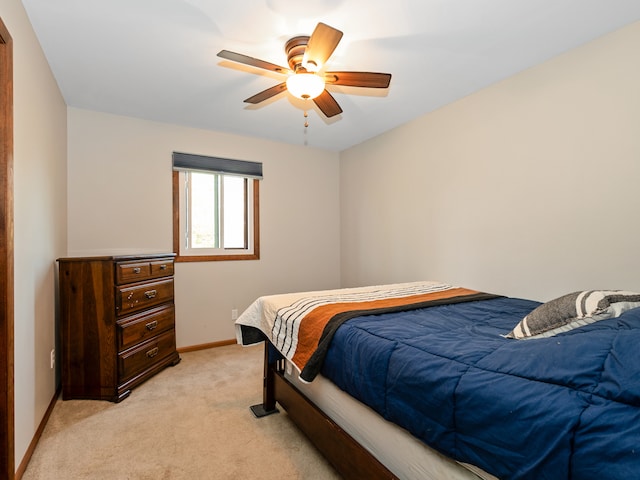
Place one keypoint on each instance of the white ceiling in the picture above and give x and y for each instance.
(156, 59)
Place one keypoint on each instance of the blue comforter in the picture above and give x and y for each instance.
(551, 408)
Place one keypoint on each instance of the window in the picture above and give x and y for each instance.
(215, 208)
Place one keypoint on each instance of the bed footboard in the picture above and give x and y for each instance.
(346, 455)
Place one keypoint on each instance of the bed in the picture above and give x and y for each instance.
(462, 384)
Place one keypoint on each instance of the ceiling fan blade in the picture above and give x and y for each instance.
(358, 79)
(327, 104)
(267, 94)
(254, 62)
(322, 43)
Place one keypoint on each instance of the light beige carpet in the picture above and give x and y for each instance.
(191, 421)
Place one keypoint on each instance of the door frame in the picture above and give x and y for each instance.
(7, 426)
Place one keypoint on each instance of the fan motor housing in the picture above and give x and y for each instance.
(295, 48)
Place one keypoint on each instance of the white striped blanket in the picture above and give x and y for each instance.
(297, 323)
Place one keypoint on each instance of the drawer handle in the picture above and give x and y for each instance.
(163, 267)
(153, 352)
(151, 325)
(150, 293)
(137, 270)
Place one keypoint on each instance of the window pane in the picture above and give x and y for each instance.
(235, 214)
(199, 217)
(203, 210)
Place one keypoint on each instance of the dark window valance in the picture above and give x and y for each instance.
(189, 161)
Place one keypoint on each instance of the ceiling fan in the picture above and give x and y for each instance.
(306, 57)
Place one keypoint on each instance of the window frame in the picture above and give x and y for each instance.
(177, 209)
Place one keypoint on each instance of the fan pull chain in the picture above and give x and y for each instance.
(306, 129)
(306, 123)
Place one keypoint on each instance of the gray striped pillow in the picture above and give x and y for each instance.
(574, 310)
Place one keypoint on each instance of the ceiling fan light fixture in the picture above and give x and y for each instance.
(306, 56)
(305, 85)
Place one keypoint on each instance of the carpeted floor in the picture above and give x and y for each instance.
(191, 421)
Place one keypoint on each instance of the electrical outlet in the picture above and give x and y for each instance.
(234, 314)
(53, 358)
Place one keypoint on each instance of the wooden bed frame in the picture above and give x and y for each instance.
(346, 455)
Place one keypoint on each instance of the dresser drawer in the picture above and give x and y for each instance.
(136, 360)
(132, 298)
(138, 328)
(162, 268)
(137, 271)
(130, 272)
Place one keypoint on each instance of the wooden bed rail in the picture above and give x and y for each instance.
(346, 455)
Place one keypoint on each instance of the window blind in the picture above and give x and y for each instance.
(191, 162)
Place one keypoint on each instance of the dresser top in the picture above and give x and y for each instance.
(118, 258)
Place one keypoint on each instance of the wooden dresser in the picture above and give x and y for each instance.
(117, 325)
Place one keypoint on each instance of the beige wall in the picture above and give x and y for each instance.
(526, 188)
(40, 221)
(119, 202)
